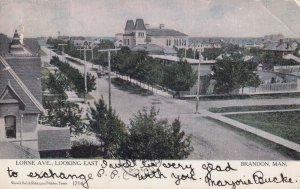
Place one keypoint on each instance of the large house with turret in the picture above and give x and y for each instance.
(140, 34)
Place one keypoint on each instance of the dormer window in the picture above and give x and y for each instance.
(141, 34)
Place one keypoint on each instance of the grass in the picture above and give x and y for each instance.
(253, 108)
(42, 53)
(130, 87)
(46, 64)
(45, 73)
(88, 96)
(245, 96)
(283, 124)
(271, 145)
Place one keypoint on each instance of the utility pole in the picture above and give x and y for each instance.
(109, 70)
(85, 45)
(194, 51)
(63, 49)
(198, 85)
(92, 51)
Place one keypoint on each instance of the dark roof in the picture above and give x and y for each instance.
(129, 25)
(139, 24)
(151, 48)
(16, 34)
(164, 32)
(9, 95)
(24, 74)
(4, 44)
(128, 34)
(32, 45)
(53, 138)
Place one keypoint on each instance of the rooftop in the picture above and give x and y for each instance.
(129, 25)
(164, 32)
(139, 24)
(50, 137)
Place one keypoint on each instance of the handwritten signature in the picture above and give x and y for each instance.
(156, 169)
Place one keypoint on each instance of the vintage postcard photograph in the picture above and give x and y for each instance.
(152, 88)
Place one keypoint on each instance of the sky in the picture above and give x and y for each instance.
(198, 18)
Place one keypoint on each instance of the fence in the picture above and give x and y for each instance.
(276, 87)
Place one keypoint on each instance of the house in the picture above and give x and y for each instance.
(209, 44)
(139, 33)
(20, 91)
(281, 47)
(21, 104)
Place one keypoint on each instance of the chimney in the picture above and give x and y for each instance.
(147, 26)
(161, 26)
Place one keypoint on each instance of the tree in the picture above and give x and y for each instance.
(211, 54)
(74, 76)
(57, 84)
(61, 113)
(151, 138)
(232, 73)
(179, 76)
(109, 129)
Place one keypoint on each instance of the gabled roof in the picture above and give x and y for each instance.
(139, 24)
(9, 95)
(164, 32)
(33, 105)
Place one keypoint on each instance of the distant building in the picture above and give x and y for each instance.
(201, 46)
(153, 49)
(119, 40)
(139, 33)
(281, 47)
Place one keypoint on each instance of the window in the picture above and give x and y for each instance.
(10, 126)
(141, 34)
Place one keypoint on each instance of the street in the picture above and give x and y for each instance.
(209, 139)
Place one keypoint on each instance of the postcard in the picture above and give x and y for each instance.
(149, 94)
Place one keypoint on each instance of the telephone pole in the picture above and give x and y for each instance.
(109, 70)
(63, 49)
(85, 48)
(198, 85)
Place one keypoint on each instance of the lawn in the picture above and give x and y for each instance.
(283, 124)
(253, 108)
(45, 73)
(277, 147)
(87, 96)
(130, 87)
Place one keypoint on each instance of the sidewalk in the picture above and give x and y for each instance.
(258, 111)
